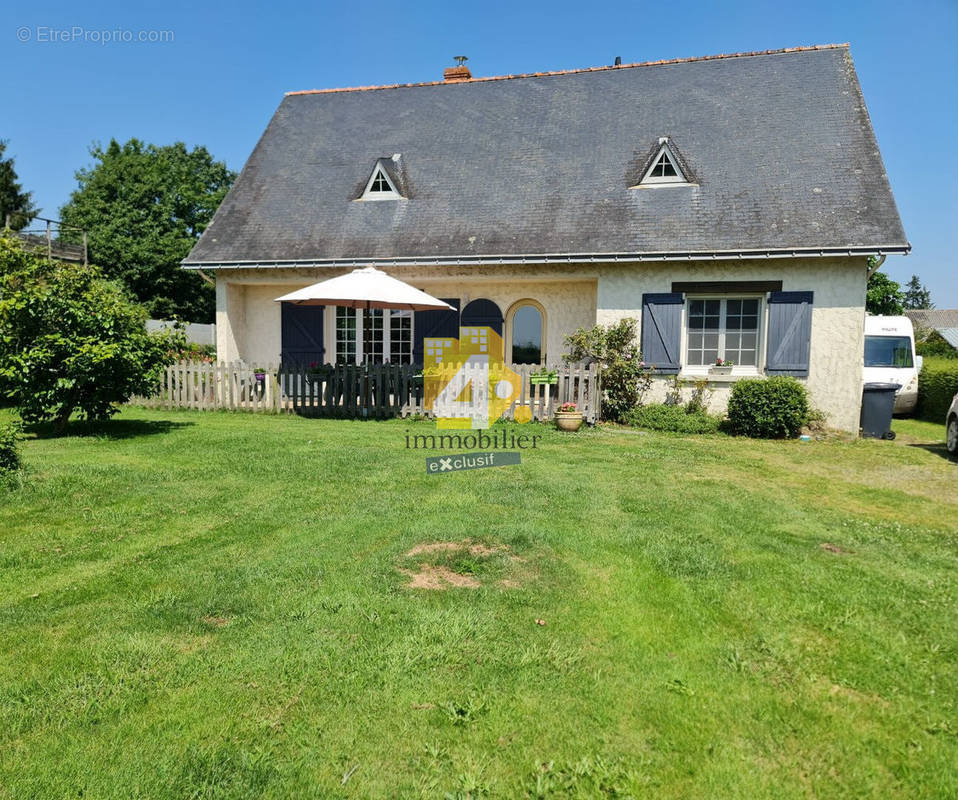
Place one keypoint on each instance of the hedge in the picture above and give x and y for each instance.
(931, 343)
(672, 418)
(768, 408)
(937, 385)
(10, 436)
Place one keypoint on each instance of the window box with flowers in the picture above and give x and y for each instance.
(722, 366)
(568, 417)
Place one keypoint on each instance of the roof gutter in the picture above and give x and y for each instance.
(555, 258)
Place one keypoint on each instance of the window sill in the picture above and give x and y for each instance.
(714, 377)
(663, 185)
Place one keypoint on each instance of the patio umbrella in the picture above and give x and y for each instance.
(365, 288)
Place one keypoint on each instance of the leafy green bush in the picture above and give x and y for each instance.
(770, 408)
(673, 418)
(625, 379)
(197, 352)
(937, 385)
(70, 340)
(928, 342)
(10, 460)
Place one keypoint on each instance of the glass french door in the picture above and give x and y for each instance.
(388, 338)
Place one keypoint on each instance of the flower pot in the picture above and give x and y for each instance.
(568, 420)
(720, 370)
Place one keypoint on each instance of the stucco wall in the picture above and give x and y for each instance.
(248, 318)
(838, 317)
(566, 295)
(230, 320)
(568, 304)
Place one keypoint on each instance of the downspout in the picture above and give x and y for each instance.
(209, 280)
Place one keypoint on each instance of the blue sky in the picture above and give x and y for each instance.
(224, 72)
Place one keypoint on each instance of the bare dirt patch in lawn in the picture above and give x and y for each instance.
(466, 564)
(834, 548)
(433, 577)
(216, 622)
(474, 548)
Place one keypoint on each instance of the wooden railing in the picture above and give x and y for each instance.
(355, 392)
(49, 240)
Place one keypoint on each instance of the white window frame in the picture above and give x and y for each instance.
(678, 179)
(335, 332)
(702, 370)
(510, 330)
(387, 334)
(370, 194)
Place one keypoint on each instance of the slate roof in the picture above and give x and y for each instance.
(934, 317)
(943, 320)
(539, 167)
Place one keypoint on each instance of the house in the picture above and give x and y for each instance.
(728, 203)
(942, 320)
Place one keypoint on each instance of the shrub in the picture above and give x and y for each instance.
(10, 460)
(937, 385)
(701, 392)
(672, 418)
(928, 342)
(197, 352)
(71, 340)
(625, 379)
(770, 408)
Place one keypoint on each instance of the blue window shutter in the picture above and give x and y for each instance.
(433, 324)
(789, 333)
(662, 331)
(301, 330)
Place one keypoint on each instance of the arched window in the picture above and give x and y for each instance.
(527, 333)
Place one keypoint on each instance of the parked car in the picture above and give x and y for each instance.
(890, 358)
(951, 427)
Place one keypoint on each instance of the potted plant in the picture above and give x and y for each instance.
(568, 417)
(722, 366)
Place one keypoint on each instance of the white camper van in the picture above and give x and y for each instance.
(890, 358)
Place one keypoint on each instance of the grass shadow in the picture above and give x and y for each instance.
(938, 449)
(107, 429)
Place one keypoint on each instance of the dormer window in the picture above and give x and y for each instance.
(662, 169)
(665, 167)
(380, 186)
(380, 183)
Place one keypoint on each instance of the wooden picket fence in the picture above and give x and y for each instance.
(376, 391)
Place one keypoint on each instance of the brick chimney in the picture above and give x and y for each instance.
(458, 73)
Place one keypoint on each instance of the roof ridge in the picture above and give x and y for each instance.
(577, 71)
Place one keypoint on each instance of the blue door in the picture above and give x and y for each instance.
(435, 324)
(302, 332)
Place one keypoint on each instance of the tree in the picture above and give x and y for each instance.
(13, 200)
(916, 295)
(884, 296)
(624, 377)
(71, 340)
(143, 207)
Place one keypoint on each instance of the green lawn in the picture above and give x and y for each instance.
(217, 606)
